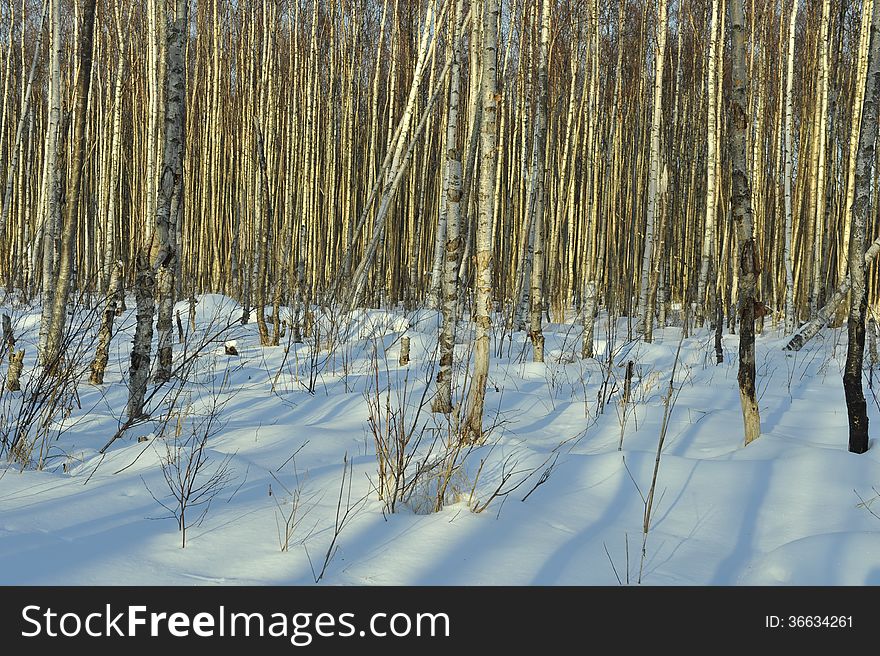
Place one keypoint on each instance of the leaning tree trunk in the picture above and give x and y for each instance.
(483, 270)
(170, 197)
(396, 161)
(856, 407)
(71, 209)
(810, 329)
(536, 294)
(741, 200)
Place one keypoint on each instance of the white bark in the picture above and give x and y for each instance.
(536, 293)
(22, 121)
(787, 254)
(708, 243)
(645, 312)
(483, 270)
(52, 221)
(170, 190)
(452, 246)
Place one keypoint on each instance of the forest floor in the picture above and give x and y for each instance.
(794, 507)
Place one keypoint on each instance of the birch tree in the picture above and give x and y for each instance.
(788, 147)
(71, 213)
(483, 269)
(857, 410)
(51, 227)
(646, 316)
(746, 256)
(708, 241)
(452, 249)
(536, 293)
(171, 189)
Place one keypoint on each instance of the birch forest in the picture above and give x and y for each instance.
(513, 169)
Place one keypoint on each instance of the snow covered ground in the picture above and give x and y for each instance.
(785, 510)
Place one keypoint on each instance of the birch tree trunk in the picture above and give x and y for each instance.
(115, 148)
(856, 406)
(52, 220)
(787, 252)
(811, 328)
(820, 188)
(396, 159)
(71, 209)
(473, 429)
(359, 278)
(858, 101)
(105, 333)
(646, 313)
(708, 242)
(23, 120)
(169, 202)
(139, 369)
(452, 248)
(536, 295)
(746, 259)
(263, 248)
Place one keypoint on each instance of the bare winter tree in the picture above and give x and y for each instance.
(483, 273)
(171, 189)
(856, 406)
(452, 249)
(536, 294)
(746, 254)
(86, 11)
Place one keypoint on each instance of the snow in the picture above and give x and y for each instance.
(788, 509)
